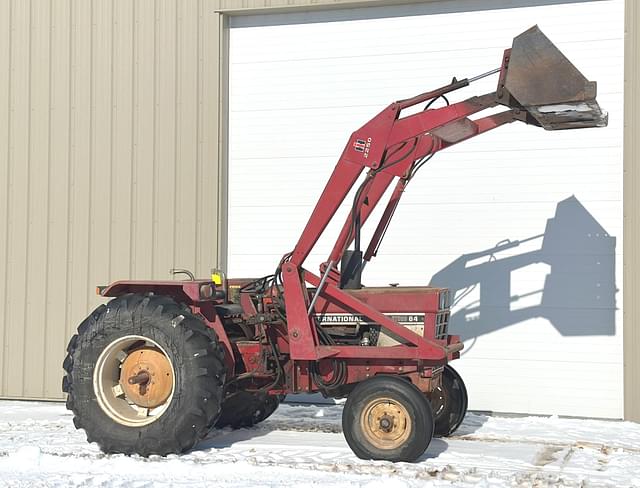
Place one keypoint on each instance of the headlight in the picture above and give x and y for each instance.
(206, 291)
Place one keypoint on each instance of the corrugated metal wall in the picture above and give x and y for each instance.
(108, 163)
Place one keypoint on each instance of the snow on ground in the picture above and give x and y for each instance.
(302, 445)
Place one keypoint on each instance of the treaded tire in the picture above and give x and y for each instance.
(244, 409)
(419, 426)
(449, 403)
(198, 370)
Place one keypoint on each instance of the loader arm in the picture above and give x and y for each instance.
(392, 147)
(388, 146)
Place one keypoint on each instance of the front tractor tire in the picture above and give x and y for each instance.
(387, 418)
(144, 375)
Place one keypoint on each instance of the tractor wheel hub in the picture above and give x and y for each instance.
(386, 423)
(146, 377)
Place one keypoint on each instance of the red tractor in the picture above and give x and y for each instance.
(164, 362)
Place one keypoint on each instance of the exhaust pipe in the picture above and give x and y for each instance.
(537, 77)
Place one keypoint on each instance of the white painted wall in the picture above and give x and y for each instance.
(301, 83)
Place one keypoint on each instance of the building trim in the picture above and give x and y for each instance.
(631, 227)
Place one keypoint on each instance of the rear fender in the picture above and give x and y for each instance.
(189, 292)
(195, 294)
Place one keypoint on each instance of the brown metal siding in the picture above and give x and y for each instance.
(108, 163)
(631, 311)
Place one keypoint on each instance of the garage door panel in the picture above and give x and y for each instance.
(433, 184)
(523, 224)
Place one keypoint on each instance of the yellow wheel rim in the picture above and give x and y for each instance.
(386, 423)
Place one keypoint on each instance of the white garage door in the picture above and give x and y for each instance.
(524, 225)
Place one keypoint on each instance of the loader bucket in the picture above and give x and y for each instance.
(536, 76)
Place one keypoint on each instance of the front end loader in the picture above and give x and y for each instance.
(163, 362)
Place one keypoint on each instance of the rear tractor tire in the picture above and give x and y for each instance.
(244, 409)
(144, 375)
(387, 418)
(449, 403)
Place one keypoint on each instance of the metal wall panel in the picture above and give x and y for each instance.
(108, 163)
(5, 134)
(57, 275)
(16, 264)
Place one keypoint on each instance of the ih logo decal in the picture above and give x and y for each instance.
(359, 145)
(363, 146)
